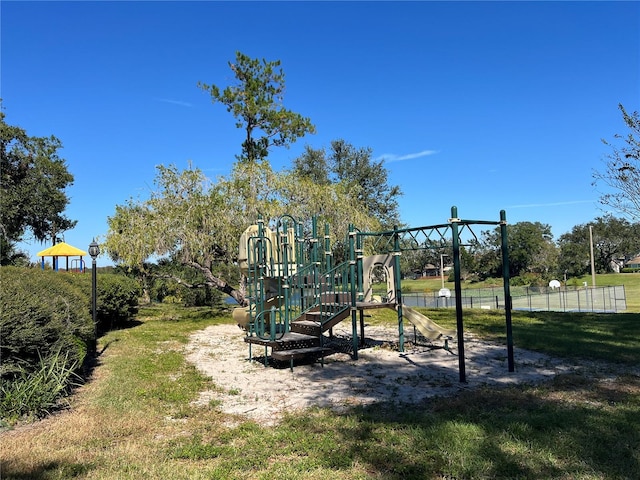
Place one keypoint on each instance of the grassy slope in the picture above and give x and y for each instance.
(135, 418)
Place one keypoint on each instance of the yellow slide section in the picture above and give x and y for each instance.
(241, 314)
(427, 327)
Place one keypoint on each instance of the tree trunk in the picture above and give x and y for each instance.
(220, 284)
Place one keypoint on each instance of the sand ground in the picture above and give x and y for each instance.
(380, 374)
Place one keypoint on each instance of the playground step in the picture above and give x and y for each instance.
(336, 319)
(307, 327)
(300, 353)
(289, 341)
(317, 322)
(317, 316)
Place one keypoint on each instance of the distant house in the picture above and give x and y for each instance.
(430, 270)
(634, 263)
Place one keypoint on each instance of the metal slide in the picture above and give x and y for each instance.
(427, 327)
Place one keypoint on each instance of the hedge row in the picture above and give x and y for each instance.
(47, 332)
(47, 315)
(42, 312)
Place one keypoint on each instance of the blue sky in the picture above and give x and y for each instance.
(482, 105)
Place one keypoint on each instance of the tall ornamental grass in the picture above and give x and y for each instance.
(34, 393)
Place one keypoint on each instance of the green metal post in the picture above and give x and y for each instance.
(314, 260)
(398, 292)
(359, 267)
(454, 220)
(260, 270)
(327, 258)
(272, 324)
(507, 292)
(352, 285)
(300, 259)
(284, 282)
(327, 248)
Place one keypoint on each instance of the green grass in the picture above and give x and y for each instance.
(35, 394)
(612, 337)
(136, 418)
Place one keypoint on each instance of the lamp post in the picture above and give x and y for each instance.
(94, 251)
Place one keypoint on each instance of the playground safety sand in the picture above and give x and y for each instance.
(381, 373)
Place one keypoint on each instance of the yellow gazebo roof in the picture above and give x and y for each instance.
(61, 250)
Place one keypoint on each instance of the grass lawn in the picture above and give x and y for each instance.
(631, 282)
(134, 418)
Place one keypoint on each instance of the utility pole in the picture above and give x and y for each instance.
(442, 255)
(593, 269)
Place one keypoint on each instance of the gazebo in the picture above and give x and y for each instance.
(64, 250)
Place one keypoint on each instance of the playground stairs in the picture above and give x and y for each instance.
(304, 341)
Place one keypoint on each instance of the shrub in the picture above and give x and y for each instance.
(34, 392)
(117, 300)
(41, 314)
(47, 332)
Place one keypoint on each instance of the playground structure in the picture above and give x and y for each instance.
(296, 293)
(66, 251)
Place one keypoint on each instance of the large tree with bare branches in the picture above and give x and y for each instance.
(622, 169)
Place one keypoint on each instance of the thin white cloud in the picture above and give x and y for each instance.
(174, 102)
(551, 204)
(392, 157)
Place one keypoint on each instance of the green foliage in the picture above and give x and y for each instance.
(197, 224)
(361, 176)
(35, 392)
(187, 219)
(10, 254)
(48, 332)
(170, 279)
(613, 238)
(41, 313)
(32, 191)
(117, 300)
(529, 279)
(622, 169)
(256, 101)
(531, 250)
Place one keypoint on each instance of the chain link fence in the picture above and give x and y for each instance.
(610, 299)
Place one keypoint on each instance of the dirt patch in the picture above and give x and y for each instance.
(380, 374)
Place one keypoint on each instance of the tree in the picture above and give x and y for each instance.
(613, 239)
(256, 103)
(363, 178)
(531, 250)
(11, 254)
(368, 179)
(313, 165)
(184, 218)
(34, 179)
(198, 223)
(622, 169)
